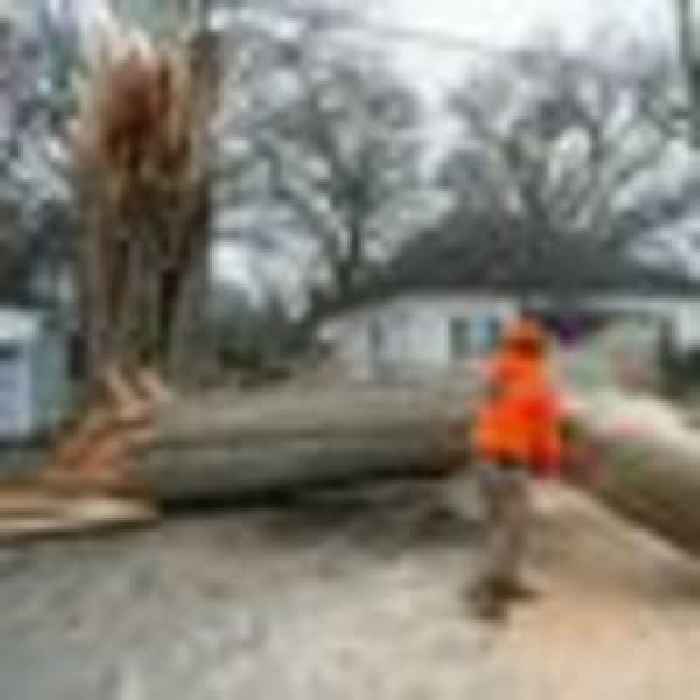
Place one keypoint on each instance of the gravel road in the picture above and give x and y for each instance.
(353, 594)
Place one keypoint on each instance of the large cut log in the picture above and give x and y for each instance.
(649, 465)
(228, 446)
(336, 410)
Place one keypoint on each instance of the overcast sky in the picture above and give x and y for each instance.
(505, 23)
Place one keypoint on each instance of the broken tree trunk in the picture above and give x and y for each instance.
(96, 454)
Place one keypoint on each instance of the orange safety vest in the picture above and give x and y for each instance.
(520, 423)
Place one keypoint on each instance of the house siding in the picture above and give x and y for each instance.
(415, 329)
(415, 335)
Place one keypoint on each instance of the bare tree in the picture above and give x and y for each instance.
(340, 137)
(36, 195)
(554, 167)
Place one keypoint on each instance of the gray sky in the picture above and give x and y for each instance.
(505, 23)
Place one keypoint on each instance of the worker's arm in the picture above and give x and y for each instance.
(491, 387)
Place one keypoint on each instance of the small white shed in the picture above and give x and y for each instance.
(34, 383)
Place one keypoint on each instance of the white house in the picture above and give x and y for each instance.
(424, 335)
(34, 387)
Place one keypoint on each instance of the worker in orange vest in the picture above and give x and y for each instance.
(516, 436)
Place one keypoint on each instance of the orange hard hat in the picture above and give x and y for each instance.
(525, 333)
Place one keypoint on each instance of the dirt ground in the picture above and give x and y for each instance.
(348, 594)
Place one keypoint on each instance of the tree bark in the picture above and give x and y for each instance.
(652, 480)
(221, 449)
(218, 449)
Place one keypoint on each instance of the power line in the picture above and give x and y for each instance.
(441, 40)
(437, 39)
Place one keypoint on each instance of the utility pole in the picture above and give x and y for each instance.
(202, 351)
(690, 62)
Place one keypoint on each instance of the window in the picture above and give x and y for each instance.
(485, 334)
(493, 333)
(8, 353)
(460, 338)
(376, 337)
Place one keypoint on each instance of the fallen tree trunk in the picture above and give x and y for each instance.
(655, 483)
(649, 467)
(225, 447)
(229, 446)
(219, 448)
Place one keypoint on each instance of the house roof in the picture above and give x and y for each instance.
(646, 284)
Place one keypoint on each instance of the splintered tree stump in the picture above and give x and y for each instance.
(88, 484)
(98, 452)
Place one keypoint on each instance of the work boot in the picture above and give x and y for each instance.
(487, 603)
(519, 588)
(492, 608)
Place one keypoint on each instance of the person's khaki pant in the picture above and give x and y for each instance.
(505, 495)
